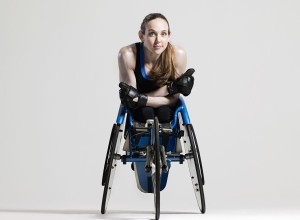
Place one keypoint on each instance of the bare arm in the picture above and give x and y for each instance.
(180, 60)
(160, 101)
(126, 61)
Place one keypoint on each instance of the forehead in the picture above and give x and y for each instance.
(157, 24)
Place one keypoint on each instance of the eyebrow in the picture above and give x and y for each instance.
(156, 31)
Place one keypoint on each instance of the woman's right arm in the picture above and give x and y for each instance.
(126, 61)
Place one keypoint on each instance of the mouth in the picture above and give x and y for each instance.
(157, 46)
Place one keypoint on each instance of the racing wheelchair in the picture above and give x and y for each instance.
(151, 147)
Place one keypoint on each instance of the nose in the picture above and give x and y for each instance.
(158, 38)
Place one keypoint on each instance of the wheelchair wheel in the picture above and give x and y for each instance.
(195, 167)
(109, 166)
(198, 153)
(106, 167)
(157, 169)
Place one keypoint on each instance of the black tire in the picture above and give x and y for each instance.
(197, 167)
(108, 166)
(157, 169)
(105, 169)
(198, 153)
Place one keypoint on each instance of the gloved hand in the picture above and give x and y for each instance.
(130, 97)
(182, 84)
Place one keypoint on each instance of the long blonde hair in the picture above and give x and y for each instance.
(164, 68)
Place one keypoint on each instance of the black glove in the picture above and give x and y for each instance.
(182, 84)
(128, 93)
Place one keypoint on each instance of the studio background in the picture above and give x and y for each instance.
(59, 99)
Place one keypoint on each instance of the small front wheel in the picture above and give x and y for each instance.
(157, 169)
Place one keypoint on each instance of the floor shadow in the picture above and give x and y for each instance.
(96, 214)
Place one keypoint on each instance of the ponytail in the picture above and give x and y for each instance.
(164, 68)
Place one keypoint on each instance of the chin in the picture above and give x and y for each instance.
(159, 51)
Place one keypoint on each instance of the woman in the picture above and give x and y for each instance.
(151, 78)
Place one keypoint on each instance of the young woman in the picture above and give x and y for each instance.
(151, 72)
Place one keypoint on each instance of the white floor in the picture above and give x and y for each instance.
(125, 215)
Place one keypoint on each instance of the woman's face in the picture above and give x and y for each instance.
(156, 36)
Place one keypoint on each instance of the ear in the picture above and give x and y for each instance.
(141, 36)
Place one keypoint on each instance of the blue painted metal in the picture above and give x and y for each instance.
(145, 179)
(184, 113)
(144, 139)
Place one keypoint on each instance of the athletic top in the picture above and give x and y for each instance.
(144, 83)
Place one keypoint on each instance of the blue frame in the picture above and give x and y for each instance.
(145, 141)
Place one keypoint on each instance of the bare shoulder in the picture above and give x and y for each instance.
(126, 58)
(127, 52)
(179, 51)
(180, 57)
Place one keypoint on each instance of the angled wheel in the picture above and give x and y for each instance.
(197, 152)
(110, 165)
(195, 167)
(157, 169)
(106, 167)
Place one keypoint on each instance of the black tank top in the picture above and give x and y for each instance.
(144, 83)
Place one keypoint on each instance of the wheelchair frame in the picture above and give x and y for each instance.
(146, 149)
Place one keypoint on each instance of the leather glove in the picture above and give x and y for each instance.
(182, 84)
(130, 97)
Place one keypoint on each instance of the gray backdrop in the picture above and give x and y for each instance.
(59, 99)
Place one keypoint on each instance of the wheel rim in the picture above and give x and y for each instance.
(111, 167)
(198, 153)
(195, 170)
(104, 174)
